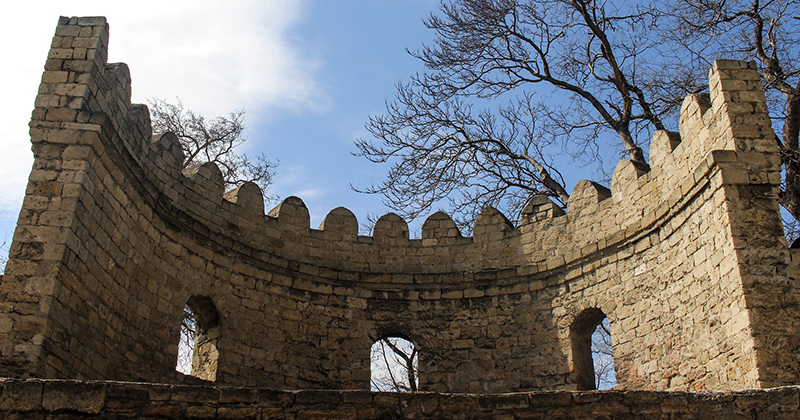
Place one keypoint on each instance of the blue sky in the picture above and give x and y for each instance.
(307, 72)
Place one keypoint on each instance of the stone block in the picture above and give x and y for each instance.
(21, 395)
(83, 397)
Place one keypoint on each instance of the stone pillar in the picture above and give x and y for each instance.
(750, 176)
(63, 136)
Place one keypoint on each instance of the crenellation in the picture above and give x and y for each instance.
(206, 183)
(491, 227)
(340, 225)
(639, 172)
(625, 182)
(539, 208)
(166, 148)
(249, 200)
(390, 229)
(292, 216)
(584, 199)
(439, 229)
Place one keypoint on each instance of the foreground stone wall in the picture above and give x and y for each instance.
(685, 257)
(57, 399)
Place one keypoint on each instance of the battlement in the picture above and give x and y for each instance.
(199, 191)
(685, 257)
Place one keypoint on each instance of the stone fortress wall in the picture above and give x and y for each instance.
(685, 257)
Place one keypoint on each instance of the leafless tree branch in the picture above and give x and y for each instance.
(448, 135)
(215, 141)
(394, 364)
(768, 32)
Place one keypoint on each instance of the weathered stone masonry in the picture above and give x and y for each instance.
(49, 399)
(685, 257)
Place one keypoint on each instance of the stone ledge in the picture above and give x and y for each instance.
(77, 399)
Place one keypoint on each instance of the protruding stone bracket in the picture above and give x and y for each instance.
(340, 224)
(538, 208)
(746, 168)
(491, 225)
(292, 215)
(390, 229)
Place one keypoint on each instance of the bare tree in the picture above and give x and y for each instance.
(4, 250)
(3, 256)
(186, 344)
(198, 354)
(510, 83)
(394, 364)
(767, 31)
(215, 141)
(603, 357)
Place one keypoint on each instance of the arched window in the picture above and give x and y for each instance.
(592, 355)
(394, 363)
(197, 349)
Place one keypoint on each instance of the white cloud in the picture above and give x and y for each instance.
(310, 194)
(216, 56)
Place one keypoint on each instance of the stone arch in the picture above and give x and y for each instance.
(581, 331)
(199, 338)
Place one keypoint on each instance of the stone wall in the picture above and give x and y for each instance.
(686, 258)
(58, 399)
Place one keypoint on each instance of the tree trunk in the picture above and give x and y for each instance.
(412, 372)
(634, 151)
(790, 195)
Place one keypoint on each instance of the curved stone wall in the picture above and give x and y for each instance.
(685, 257)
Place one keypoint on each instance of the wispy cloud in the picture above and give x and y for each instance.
(216, 56)
(310, 194)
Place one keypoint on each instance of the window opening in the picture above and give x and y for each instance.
(394, 364)
(197, 349)
(592, 353)
(186, 343)
(603, 357)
